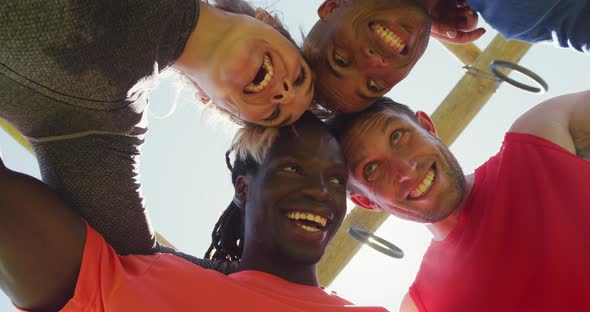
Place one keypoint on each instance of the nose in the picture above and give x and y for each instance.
(403, 170)
(374, 59)
(285, 93)
(317, 191)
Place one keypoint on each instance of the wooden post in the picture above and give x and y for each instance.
(451, 117)
(15, 135)
(466, 53)
(455, 113)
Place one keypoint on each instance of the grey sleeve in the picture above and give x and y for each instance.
(68, 81)
(97, 176)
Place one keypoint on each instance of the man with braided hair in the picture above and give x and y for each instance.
(290, 200)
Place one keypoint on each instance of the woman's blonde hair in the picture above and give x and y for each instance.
(254, 141)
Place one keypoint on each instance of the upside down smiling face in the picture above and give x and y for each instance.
(359, 49)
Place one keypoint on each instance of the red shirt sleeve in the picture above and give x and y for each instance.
(101, 274)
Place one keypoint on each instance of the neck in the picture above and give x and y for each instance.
(288, 270)
(441, 229)
(204, 41)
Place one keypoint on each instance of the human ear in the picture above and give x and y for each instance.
(426, 122)
(241, 189)
(328, 7)
(267, 18)
(364, 202)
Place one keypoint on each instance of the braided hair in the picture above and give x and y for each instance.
(228, 234)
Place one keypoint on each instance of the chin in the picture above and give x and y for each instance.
(304, 256)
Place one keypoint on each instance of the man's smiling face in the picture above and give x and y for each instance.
(360, 49)
(397, 163)
(297, 199)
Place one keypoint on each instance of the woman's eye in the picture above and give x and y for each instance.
(369, 170)
(301, 77)
(373, 87)
(340, 60)
(396, 136)
(290, 168)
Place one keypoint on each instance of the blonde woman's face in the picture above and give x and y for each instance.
(259, 75)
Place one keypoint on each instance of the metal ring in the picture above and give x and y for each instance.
(381, 245)
(542, 85)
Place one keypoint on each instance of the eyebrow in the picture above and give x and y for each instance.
(385, 125)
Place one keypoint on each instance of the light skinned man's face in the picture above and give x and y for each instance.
(400, 165)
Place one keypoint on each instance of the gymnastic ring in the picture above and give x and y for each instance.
(542, 85)
(381, 245)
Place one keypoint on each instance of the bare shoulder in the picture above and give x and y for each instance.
(563, 120)
(408, 304)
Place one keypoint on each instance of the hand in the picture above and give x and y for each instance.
(454, 21)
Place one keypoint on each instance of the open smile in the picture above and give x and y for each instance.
(422, 189)
(308, 221)
(391, 37)
(262, 78)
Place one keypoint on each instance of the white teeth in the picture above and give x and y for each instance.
(317, 219)
(424, 186)
(308, 228)
(267, 65)
(297, 215)
(389, 37)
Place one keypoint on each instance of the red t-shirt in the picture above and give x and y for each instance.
(523, 238)
(163, 282)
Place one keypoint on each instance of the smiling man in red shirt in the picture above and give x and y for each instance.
(513, 236)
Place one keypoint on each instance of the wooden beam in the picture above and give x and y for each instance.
(15, 135)
(163, 240)
(22, 141)
(455, 112)
(451, 117)
(466, 53)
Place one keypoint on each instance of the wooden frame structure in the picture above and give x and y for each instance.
(450, 118)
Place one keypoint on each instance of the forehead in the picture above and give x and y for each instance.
(307, 141)
(380, 121)
(367, 130)
(341, 94)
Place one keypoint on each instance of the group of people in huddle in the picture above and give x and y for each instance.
(315, 128)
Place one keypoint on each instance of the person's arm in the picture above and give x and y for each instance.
(563, 120)
(41, 244)
(97, 177)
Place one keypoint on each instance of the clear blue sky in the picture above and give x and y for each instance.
(187, 185)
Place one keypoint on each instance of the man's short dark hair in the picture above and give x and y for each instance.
(341, 123)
